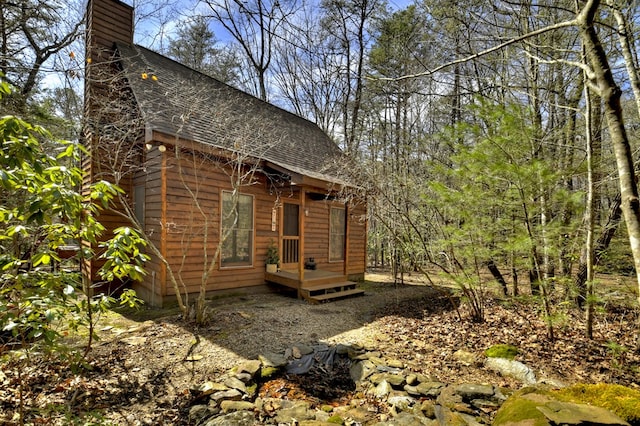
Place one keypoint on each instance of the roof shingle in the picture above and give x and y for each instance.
(177, 100)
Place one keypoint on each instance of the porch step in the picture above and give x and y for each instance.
(322, 288)
(335, 295)
(327, 292)
(330, 280)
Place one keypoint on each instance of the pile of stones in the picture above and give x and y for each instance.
(385, 393)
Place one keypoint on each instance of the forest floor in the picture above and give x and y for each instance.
(141, 369)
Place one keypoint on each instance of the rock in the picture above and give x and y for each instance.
(377, 360)
(207, 388)
(230, 394)
(235, 383)
(134, 340)
(393, 379)
(198, 413)
(470, 420)
(485, 405)
(272, 360)
(357, 415)
(428, 408)
(244, 377)
(450, 399)
(228, 406)
(465, 357)
(388, 369)
(382, 390)
(430, 388)
(288, 353)
(395, 363)
(407, 419)
(297, 412)
(499, 394)
(266, 372)
(538, 406)
(271, 405)
(401, 402)
(251, 390)
(296, 353)
(345, 349)
(422, 378)
(510, 368)
(237, 418)
(317, 422)
(470, 391)
(300, 350)
(445, 416)
(568, 413)
(367, 355)
(250, 367)
(412, 379)
(411, 390)
(361, 370)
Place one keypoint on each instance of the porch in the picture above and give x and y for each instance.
(316, 286)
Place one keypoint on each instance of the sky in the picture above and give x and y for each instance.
(154, 31)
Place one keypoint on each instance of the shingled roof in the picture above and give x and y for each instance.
(177, 100)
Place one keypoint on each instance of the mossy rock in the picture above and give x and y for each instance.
(335, 420)
(252, 390)
(621, 400)
(523, 406)
(502, 351)
(268, 372)
(541, 406)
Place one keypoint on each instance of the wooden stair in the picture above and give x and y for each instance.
(327, 292)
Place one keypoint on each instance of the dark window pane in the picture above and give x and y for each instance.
(337, 234)
(237, 225)
(290, 227)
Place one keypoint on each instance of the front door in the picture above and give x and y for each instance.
(290, 236)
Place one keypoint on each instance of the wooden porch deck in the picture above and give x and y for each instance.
(317, 286)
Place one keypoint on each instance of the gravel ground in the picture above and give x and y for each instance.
(142, 368)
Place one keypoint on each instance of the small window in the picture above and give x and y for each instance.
(237, 229)
(337, 227)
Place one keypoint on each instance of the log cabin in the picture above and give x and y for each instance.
(213, 176)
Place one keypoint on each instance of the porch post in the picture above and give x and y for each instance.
(346, 240)
(301, 216)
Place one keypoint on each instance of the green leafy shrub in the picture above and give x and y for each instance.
(44, 295)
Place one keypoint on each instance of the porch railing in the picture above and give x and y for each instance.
(290, 249)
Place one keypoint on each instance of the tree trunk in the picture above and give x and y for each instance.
(497, 275)
(611, 93)
(600, 246)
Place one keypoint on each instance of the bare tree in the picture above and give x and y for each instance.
(255, 26)
(603, 82)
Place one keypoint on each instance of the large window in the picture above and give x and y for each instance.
(237, 227)
(337, 227)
